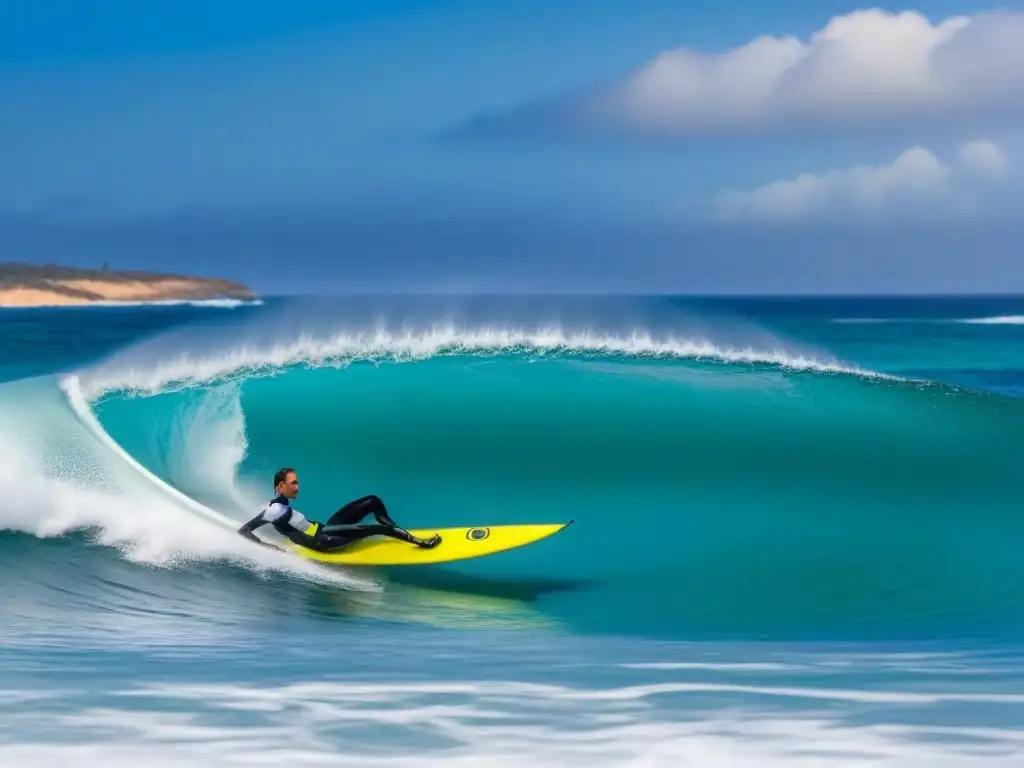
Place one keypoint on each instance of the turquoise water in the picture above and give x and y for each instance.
(796, 540)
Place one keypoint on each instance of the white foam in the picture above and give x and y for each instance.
(738, 666)
(902, 662)
(997, 320)
(184, 370)
(471, 723)
(994, 320)
(61, 472)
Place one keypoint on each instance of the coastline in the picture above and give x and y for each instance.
(50, 285)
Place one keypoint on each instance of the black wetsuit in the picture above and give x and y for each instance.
(340, 530)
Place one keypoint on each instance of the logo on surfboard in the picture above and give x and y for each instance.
(478, 534)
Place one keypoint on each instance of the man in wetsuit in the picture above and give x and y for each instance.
(340, 529)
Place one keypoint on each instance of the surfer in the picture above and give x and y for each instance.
(340, 529)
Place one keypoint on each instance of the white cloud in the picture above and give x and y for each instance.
(985, 159)
(867, 68)
(917, 183)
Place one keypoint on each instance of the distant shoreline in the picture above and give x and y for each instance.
(51, 285)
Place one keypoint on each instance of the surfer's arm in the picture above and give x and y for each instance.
(246, 530)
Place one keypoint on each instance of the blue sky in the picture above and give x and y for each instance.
(389, 145)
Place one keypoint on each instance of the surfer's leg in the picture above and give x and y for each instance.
(354, 511)
(343, 537)
(324, 542)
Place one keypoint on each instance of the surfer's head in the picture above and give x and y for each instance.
(286, 483)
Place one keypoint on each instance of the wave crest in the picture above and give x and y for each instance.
(130, 375)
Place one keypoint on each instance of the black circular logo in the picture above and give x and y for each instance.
(478, 534)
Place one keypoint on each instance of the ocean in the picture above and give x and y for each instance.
(797, 539)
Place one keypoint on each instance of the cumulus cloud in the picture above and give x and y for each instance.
(868, 69)
(985, 159)
(917, 183)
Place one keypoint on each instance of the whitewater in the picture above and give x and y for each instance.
(796, 541)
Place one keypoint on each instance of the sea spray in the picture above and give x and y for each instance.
(62, 472)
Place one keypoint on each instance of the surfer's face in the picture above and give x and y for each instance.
(289, 487)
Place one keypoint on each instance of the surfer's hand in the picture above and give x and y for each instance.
(267, 545)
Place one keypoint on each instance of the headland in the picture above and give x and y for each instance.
(51, 285)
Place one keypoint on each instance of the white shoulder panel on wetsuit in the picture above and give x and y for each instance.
(274, 511)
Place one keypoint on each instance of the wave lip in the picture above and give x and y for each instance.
(383, 345)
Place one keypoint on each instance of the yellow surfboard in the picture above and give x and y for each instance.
(456, 544)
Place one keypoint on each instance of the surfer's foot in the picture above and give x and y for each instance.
(430, 543)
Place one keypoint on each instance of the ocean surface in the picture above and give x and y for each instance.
(798, 538)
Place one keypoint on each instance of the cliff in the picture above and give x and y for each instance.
(23, 285)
